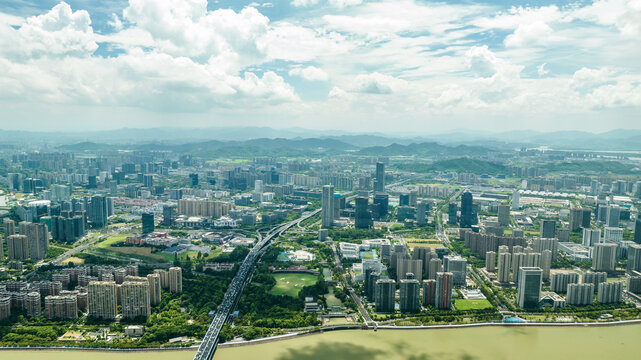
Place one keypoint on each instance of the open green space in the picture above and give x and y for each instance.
(465, 304)
(113, 239)
(290, 284)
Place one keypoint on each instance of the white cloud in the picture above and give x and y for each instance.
(309, 73)
(541, 70)
(376, 83)
(115, 22)
(304, 3)
(625, 15)
(344, 3)
(529, 34)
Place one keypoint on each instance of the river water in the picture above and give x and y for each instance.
(482, 343)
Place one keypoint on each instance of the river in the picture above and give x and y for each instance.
(481, 343)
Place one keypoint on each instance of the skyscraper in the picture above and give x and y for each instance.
(637, 230)
(385, 291)
(579, 218)
(504, 215)
(546, 263)
(155, 291)
(134, 297)
(101, 299)
(175, 280)
(436, 266)
(580, 294)
(406, 266)
(504, 267)
(529, 288)
(591, 237)
(429, 292)
(168, 215)
(362, 215)
(409, 295)
(379, 182)
(38, 239)
(548, 228)
(452, 214)
(559, 281)
(634, 258)
(421, 212)
(516, 200)
(147, 223)
(327, 210)
(490, 261)
(466, 220)
(98, 211)
(17, 247)
(456, 265)
(443, 298)
(613, 216)
(610, 292)
(604, 257)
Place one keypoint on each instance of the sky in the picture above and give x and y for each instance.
(348, 65)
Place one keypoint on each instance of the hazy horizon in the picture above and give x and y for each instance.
(351, 65)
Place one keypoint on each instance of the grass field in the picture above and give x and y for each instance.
(139, 252)
(74, 260)
(113, 239)
(429, 243)
(464, 304)
(290, 284)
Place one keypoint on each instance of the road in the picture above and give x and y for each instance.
(243, 277)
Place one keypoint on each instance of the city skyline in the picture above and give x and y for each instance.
(349, 65)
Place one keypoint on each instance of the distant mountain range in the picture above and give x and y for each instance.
(622, 140)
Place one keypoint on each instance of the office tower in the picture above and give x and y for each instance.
(148, 180)
(101, 299)
(563, 235)
(594, 278)
(147, 223)
(466, 220)
(429, 292)
(604, 257)
(175, 280)
(579, 218)
(421, 212)
(38, 239)
(98, 211)
(591, 237)
(413, 198)
(580, 294)
(504, 267)
(134, 297)
(193, 179)
(17, 247)
(516, 200)
(540, 244)
(385, 293)
(362, 215)
(379, 182)
(436, 266)
(409, 296)
(546, 263)
(371, 277)
(381, 204)
(155, 289)
(613, 234)
(559, 281)
(406, 266)
(456, 265)
(634, 284)
(518, 261)
(548, 228)
(168, 215)
(529, 288)
(610, 292)
(504, 215)
(403, 200)
(613, 216)
(62, 307)
(443, 297)
(258, 186)
(452, 216)
(327, 210)
(634, 258)
(33, 304)
(490, 261)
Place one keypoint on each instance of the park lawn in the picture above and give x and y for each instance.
(113, 239)
(73, 259)
(290, 283)
(139, 252)
(464, 304)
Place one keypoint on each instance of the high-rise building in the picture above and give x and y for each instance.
(134, 297)
(456, 265)
(406, 266)
(591, 237)
(559, 281)
(409, 296)
(610, 292)
(5, 306)
(518, 261)
(371, 277)
(548, 228)
(17, 247)
(452, 214)
(155, 289)
(33, 304)
(98, 211)
(443, 297)
(490, 261)
(148, 180)
(147, 223)
(546, 263)
(540, 244)
(613, 234)
(466, 220)
(637, 230)
(504, 215)
(516, 200)
(634, 258)
(38, 239)
(102, 300)
(379, 182)
(62, 306)
(175, 280)
(327, 210)
(529, 288)
(604, 257)
(580, 294)
(385, 293)
(613, 216)
(381, 205)
(429, 292)
(168, 215)
(504, 267)
(595, 278)
(362, 215)
(421, 212)
(436, 266)
(579, 218)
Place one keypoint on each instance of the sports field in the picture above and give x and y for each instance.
(290, 284)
